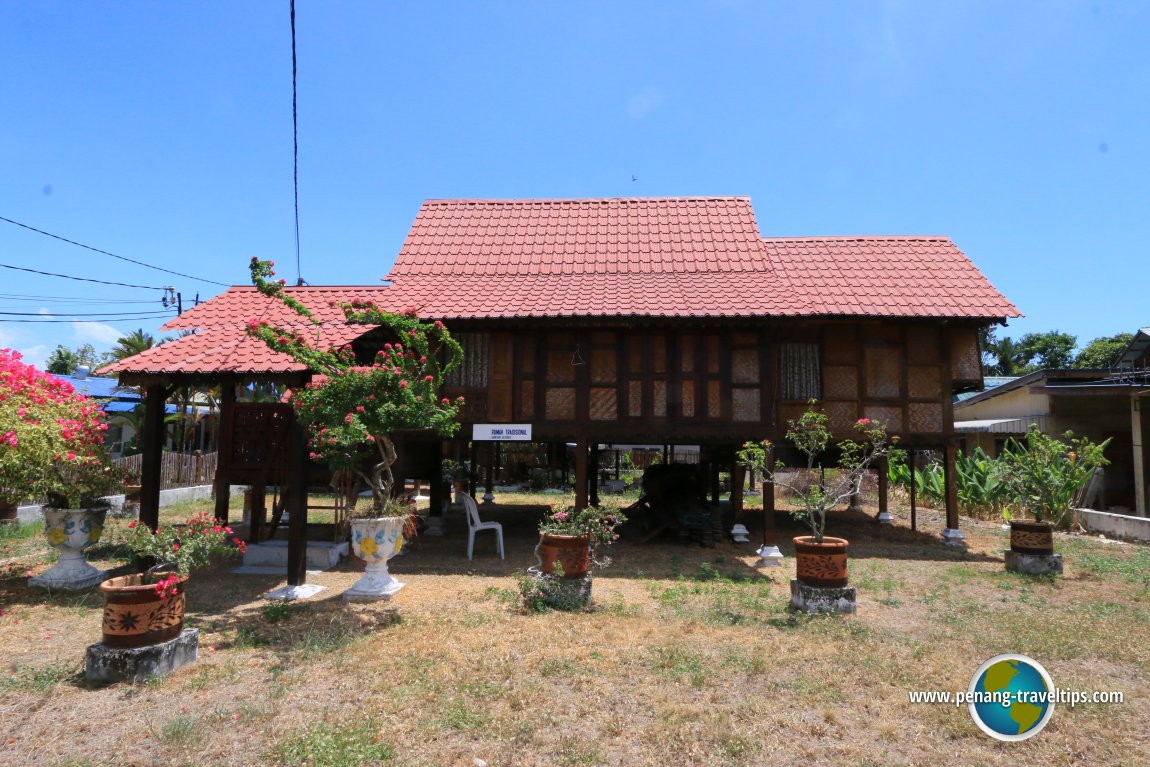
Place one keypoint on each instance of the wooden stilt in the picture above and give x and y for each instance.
(912, 456)
(155, 396)
(883, 488)
(222, 483)
(594, 474)
(297, 505)
(738, 477)
(580, 474)
(770, 534)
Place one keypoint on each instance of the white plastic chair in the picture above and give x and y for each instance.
(475, 524)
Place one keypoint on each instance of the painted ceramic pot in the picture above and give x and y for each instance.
(572, 552)
(137, 615)
(375, 541)
(821, 564)
(70, 532)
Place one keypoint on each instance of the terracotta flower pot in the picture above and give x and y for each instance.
(821, 564)
(1027, 537)
(136, 616)
(573, 552)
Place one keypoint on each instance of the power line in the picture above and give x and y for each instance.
(72, 299)
(74, 314)
(82, 279)
(113, 255)
(111, 319)
(295, 146)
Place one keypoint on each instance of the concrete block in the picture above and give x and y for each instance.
(1033, 564)
(1121, 526)
(320, 555)
(138, 664)
(817, 599)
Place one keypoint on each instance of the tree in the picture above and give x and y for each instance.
(1052, 349)
(1008, 358)
(64, 361)
(134, 343)
(1103, 351)
(352, 411)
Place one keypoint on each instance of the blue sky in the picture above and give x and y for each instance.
(162, 132)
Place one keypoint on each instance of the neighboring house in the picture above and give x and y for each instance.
(651, 321)
(1097, 404)
(119, 402)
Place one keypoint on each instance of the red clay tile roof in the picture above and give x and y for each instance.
(672, 257)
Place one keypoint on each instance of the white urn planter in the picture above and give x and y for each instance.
(71, 531)
(375, 541)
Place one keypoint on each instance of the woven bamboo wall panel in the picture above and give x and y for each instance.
(922, 345)
(891, 416)
(527, 399)
(883, 371)
(659, 400)
(841, 346)
(791, 412)
(603, 366)
(841, 415)
(687, 398)
(925, 417)
(560, 404)
(714, 400)
(745, 405)
(603, 405)
(842, 382)
(965, 364)
(635, 399)
(925, 382)
(559, 367)
(745, 366)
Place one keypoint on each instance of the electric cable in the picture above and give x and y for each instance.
(113, 255)
(114, 319)
(81, 279)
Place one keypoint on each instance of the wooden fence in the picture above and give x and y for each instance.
(177, 469)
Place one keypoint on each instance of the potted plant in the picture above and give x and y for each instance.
(51, 445)
(352, 409)
(821, 560)
(132, 491)
(570, 538)
(376, 537)
(148, 607)
(1042, 475)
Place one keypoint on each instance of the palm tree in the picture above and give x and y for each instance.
(132, 344)
(1009, 357)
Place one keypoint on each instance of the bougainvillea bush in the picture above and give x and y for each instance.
(352, 410)
(51, 439)
(177, 549)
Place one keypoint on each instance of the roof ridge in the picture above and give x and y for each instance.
(857, 237)
(579, 200)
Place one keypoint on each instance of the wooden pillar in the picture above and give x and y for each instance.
(222, 483)
(951, 486)
(912, 457)
(738, 477)
(257, 511)
(1138, 440)
(883, 491)
(155, 397)
(594, 474)
(437, 497)
(666, 453)
(713, 471)
(297, 505)
(580, 474)
(618, 462)
(770, 534)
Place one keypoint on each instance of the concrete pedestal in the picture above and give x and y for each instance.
(1033, 564)
(952, 536)
(138, 664)
(816, 599)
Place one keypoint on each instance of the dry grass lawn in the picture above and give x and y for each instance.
(689, 657)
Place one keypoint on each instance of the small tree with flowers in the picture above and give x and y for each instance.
(811, 435)
(51, 439)
(352, 410)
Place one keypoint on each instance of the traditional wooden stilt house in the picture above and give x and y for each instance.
(665, 321)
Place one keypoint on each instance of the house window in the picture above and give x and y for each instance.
(472, 371)
(799, 375)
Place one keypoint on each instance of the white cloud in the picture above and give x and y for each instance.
(644, 102)
(97, 333)
(36, 355)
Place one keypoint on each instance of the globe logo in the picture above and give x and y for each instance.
(1011, 697)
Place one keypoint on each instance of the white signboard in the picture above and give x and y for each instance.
(501, 432)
